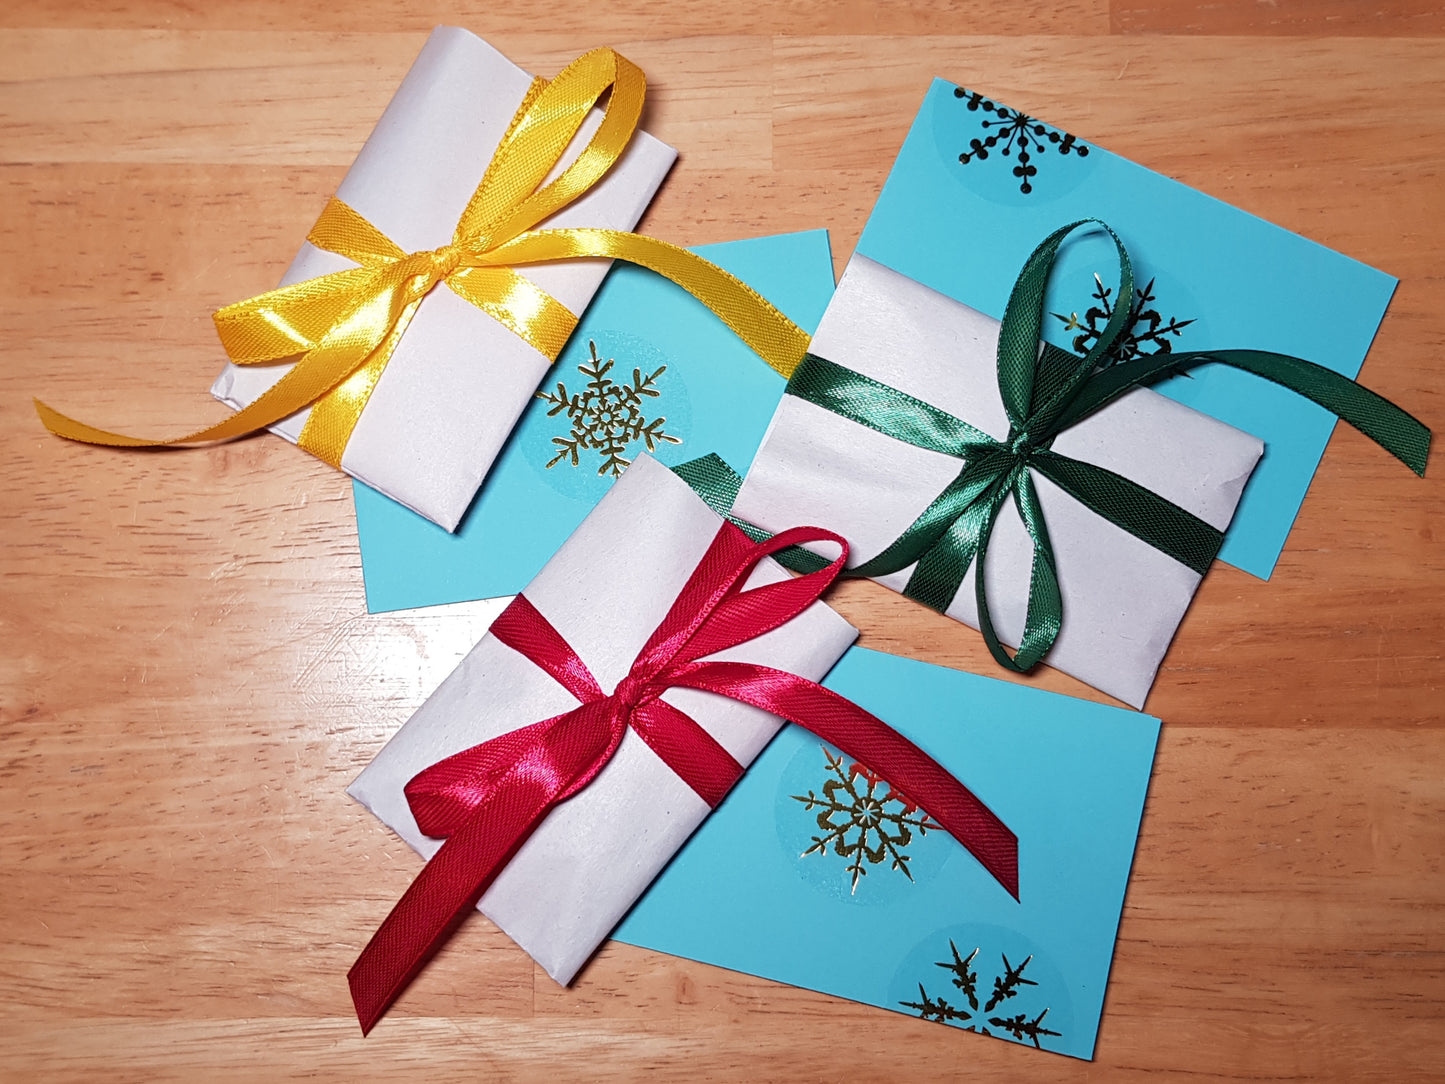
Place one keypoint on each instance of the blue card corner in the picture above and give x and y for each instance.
(753, 891)
(640, 329)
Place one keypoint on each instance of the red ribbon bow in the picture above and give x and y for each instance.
(486, 800)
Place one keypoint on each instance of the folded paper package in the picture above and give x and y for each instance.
(458, 379)
(560, 802)
(1122, 598)
(605, 590)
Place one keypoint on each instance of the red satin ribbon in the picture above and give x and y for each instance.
(486, 800)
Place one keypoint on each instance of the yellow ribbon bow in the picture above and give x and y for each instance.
(342, 328)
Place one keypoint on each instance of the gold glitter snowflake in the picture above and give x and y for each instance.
(607, 417)
(853, 814)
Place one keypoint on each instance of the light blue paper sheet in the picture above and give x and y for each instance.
(1068, 776)
(965, 229)
(713, 394)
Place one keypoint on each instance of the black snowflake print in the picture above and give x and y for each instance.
(1015, 135)
(1145, 332)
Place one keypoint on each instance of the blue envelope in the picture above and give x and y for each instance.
(978, 185)
(649, 368)
(813, 873)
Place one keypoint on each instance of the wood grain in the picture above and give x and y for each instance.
(188, 678)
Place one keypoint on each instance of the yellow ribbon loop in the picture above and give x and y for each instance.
(341, 329)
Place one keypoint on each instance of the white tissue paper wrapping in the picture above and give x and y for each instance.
(606, 590)
(458, 380)
(1123, 599)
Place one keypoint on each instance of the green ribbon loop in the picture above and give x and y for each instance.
(1044, 391)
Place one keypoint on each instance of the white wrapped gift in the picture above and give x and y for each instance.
(605, 591)
(1123, 599)
(458, 380)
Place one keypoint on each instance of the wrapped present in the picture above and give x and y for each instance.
(404, 344)
(1086, 507)
(977, 182)
(458, 378)
(554, 828)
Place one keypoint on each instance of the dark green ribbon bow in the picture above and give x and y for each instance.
(1044, 392)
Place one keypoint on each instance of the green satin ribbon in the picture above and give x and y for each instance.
(1045, 391)
(717, 483)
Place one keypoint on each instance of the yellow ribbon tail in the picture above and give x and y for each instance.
(64, 426)
(355, 340)
(329, 426)
(772, 336)
(267, 410)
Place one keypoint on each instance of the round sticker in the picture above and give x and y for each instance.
(849, 834)
(610, 396)
(989, 980)
(1004, 155)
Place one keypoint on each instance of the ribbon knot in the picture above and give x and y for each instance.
(631, 692)
(445, 260)
(1021, 445)
(487, 800)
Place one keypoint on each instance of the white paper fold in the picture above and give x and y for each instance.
(458, 380)
(606, 590)
(1123, 599)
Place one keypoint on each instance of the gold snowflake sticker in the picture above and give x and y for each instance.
(607, 417)
(860, 823)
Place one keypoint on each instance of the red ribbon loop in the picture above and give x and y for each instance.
(486, 800)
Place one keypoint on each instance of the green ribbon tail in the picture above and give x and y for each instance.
(1397, 431)
(933, 525)
(942, 562)
(1045, 616)
(943, 565)
(717, 483)
(1400, 433)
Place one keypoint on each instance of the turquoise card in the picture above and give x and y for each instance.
(978, 185)
(649, 368)
(812, 873)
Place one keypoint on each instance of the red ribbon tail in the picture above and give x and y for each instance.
(866, 738)
(447, 888)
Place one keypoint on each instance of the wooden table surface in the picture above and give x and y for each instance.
(188, 677)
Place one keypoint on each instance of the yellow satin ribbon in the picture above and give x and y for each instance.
(343, 328)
